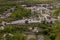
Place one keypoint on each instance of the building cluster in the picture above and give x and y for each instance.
(44, 11)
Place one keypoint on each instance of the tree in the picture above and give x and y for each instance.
(57, 37)
(47, 38)
(26, 21)
(56, 12)
(18, 36)
(21, 12)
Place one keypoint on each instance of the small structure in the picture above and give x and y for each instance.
(50, 20)
(29, 36)
(40, 37)
(30, 28)
(1, 28)
(43, 5)
(35, 29)
(24, 5)
(3, 23)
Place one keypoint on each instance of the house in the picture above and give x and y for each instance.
(50, 20)
(35, 29)
(24, 5)
(43, 5)
(39, 7)
(29, 36)
(32, 35)
(1, 28)
(40, 37)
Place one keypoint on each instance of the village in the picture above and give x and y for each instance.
(40, 13)
(43, 14)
